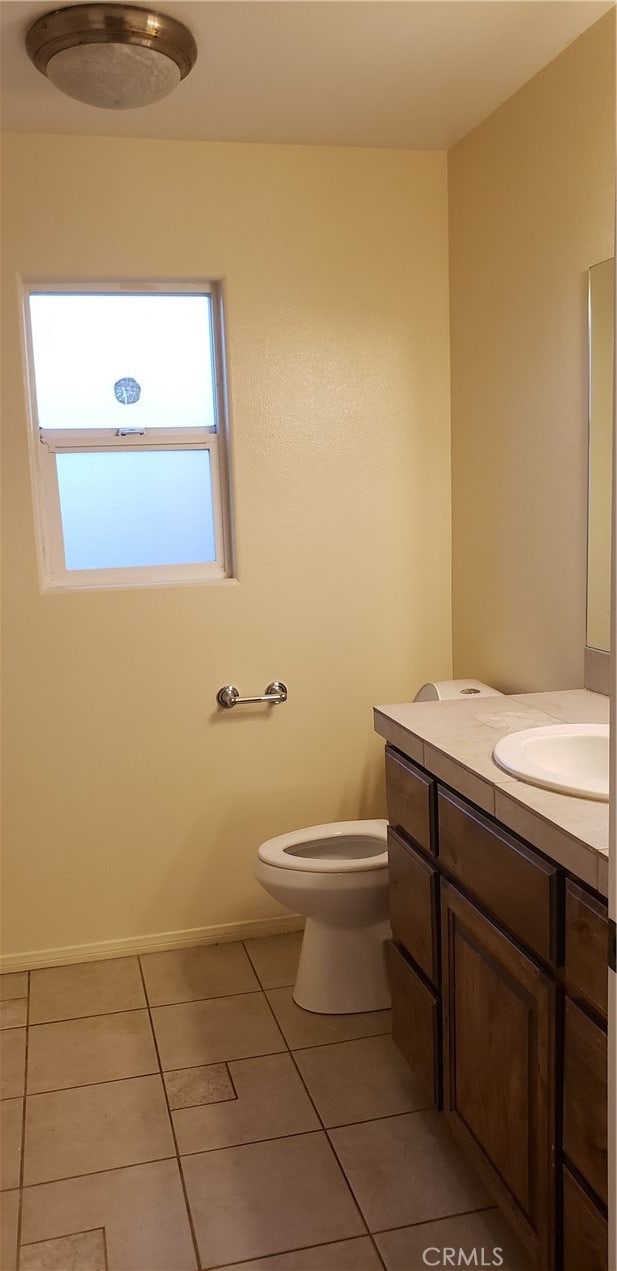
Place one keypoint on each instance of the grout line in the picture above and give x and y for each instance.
(231, 1079)
(255, 971)
(145, 1005)
(281, 1253)
(232, 1147)
(345, 1041)
(426, 1222)
(106, 1081)
(216, 997)
(110, 1169)
(357, 1202)
(233, 1059)
(87, 1231)
(171, 1122)
(73, 1019)
(22, 1162)
(325, 1132)
(384, 1116)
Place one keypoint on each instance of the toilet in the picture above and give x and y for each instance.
(337, 875)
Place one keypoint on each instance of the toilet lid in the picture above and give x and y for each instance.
(339, 847)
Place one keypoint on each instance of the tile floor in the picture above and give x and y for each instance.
(179, 1111)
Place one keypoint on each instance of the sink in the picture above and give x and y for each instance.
(571, 758)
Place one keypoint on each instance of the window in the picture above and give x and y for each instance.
(128, 412)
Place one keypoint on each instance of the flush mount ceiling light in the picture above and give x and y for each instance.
(116, 56)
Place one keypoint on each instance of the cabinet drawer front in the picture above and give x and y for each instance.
(585, 1229)
(415, 1023)
(585, 1098)
(586, 948)
(410, 796)
(514, 884)
(413, 904)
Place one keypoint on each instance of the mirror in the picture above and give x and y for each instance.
(601, 345)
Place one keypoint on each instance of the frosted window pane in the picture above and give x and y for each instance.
(121, 509)
(85, 345)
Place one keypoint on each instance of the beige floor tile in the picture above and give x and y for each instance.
(197, 1033)
(407, 1169)
(190, 1087)
(9, 1218)
(88, 988)
(82, 1252)
(485, 1232)
(303, 1028)
(184, 975)
(96, 1128)
(359, 1080)
(275, 958)
(357, 1254)
(13, 984)
(14, 1012)
(142, 1210)
(271, 1102)
(79, 1052)
(11, 1116)
(12, 1062)
(267, 1198)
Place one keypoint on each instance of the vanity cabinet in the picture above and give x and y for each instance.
(498, 966)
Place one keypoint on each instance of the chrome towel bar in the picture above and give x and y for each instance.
(229, 696)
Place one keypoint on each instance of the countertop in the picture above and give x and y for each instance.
(454, 740)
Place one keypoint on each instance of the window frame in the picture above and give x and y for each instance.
(47, 443)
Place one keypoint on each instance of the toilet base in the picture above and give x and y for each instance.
(342, 970)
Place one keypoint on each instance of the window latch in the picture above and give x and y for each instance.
(130, 432)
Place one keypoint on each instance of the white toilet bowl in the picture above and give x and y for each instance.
(336, 874)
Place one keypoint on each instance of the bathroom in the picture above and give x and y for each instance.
(404, 290)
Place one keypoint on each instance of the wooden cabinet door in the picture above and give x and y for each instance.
(500, 1066)
(585, 1229)
(587, 949)
(585, 1099)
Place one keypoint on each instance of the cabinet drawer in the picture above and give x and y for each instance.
(415, 1023)
(585, 1098)
(514, 884)
(586, 948)
(413, 904)
(411, 796)
(585, 1229)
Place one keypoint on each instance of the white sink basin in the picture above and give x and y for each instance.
(571, 758)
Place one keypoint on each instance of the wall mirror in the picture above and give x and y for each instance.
(601, 370)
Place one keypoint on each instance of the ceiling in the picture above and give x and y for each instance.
(409, 73)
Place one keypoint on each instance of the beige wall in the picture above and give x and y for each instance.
(601, 355)
(131, 806)
(531, 207)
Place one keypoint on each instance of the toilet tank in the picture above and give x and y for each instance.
(448, 690)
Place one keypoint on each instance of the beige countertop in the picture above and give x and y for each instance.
(454, 740)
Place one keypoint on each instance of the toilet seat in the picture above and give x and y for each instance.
(363, 846)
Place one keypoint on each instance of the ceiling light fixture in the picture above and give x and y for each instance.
(116, 56)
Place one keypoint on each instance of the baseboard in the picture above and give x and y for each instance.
(156, 943)
(598, 671)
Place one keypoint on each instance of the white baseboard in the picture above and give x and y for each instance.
(150, 944)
